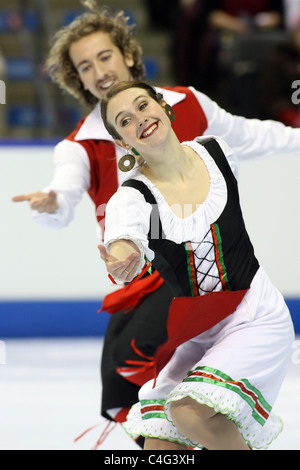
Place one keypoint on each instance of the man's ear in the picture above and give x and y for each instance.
(129, 60)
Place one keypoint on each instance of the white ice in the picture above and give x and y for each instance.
(50, 393)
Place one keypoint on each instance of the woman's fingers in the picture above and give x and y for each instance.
(132, 265)
(122, 270)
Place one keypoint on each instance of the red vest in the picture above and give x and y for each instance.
(190, 123)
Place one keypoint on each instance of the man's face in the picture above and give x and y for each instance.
(100, 63)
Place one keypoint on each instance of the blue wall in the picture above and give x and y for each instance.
(69, 318)
(30, 319)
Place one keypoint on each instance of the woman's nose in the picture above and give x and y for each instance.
(142, 121)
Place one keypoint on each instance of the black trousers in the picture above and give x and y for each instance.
(146, 327)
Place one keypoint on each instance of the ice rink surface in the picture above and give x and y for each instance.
(50, 393)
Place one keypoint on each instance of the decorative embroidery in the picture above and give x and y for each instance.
(152, 409)
(219, 256)
(203, 270)
(260, 407)
(191, 269)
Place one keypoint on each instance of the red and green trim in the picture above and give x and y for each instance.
(153, 409)
(260, 407)
(220, 257)
(191, 269)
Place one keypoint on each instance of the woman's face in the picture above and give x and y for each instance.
(139, 120)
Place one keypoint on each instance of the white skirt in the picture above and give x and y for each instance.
(236, 367)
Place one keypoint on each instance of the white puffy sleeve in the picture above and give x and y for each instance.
(249, 138)
(128, 217)
(70, 181)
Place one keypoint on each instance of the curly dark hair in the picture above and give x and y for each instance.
(59, 64)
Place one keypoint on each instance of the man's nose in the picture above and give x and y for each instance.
(99, 71)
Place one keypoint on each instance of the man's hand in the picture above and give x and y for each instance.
(41, 202)
(121, 269)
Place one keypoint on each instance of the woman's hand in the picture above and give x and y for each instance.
(124, 263)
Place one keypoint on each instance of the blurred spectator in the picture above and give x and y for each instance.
(279, 82)
(191, 44)
(163, 14)
(291, 13)
(231, 19)
(206, 33)
(242, 17)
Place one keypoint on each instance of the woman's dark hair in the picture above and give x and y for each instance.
(117, 88)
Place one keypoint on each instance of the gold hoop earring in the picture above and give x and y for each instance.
(170, 112)
(126, 163)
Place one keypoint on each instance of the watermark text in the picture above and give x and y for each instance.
(2, 92)
(126, 216)
(296, 94)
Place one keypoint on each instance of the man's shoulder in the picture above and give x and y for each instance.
(177, 88)
(73, 134)
(90, 128)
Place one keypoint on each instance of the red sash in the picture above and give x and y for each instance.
(191, 316)
(130, 296)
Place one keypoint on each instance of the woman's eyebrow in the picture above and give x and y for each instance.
(135, 99)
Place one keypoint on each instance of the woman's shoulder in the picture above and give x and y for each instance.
(198, 145)
(128, 193)
(201, 140)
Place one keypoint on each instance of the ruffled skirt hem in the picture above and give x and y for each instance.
(258, 426)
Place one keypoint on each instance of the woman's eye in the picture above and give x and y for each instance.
(125, 122)
(143, 106)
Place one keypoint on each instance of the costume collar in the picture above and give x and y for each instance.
(94, 129)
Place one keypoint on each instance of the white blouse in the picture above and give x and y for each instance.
(128, 214)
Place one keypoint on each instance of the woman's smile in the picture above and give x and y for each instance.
(149, 130)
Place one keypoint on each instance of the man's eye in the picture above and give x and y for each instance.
(105, 58)
(85, 69)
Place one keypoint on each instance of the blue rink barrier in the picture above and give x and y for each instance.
(31, 319)
(78, 318)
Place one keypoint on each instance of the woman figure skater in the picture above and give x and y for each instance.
(229, 330)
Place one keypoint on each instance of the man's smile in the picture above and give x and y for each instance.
(105, 84)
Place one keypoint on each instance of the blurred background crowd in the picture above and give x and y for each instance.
(245, 54)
